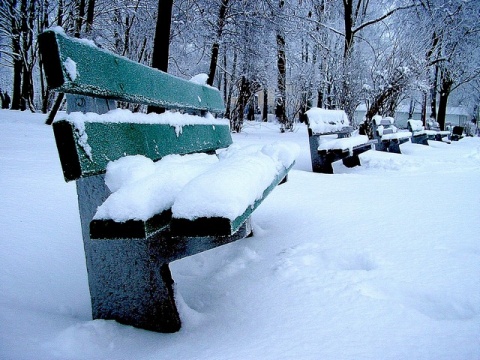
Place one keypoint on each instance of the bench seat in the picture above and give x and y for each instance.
(328, 143)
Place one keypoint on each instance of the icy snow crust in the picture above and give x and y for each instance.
(194, 186)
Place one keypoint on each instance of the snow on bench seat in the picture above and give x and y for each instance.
(199, 188)
(387, 131)
(331, 142)
(217, 202)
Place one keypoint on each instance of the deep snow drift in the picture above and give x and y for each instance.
(376, 262)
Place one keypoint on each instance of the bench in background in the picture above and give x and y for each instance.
(387, 135)
(127, 257)
(419, 134)
(330, 138)
(435, 133)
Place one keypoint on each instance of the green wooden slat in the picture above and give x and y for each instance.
(130, 229)
(218, 226)
(111, 141)
(106, 75)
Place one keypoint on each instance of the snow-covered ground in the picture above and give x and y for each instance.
(376, 262)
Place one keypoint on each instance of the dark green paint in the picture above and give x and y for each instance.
(106, 75)
(111, 141)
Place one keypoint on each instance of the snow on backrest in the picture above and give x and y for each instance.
(325, 121)
(377, 119)
(433, 125)
(384, 125)
(415, 125)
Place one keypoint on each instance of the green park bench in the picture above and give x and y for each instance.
(127, 259)
(330, 138)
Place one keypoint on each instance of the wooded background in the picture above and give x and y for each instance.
(290, 54)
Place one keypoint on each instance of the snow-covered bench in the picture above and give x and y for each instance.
(419, 134)
(387, 135)
(330, 139)
(151, 188)
(457, 133)
(435, 133)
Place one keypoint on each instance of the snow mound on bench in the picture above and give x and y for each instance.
(235, 183)
(195, 185)
(142, 188)
(325, 121)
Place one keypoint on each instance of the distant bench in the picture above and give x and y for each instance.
(387, 135)
(419, 134)
(435, 133)
(330, 138)
(142, 205)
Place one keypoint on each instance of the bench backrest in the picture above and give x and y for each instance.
(87, 143)
(415, 125)
(383, 126)
(323, 121)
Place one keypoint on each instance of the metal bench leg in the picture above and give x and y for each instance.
(129, 281)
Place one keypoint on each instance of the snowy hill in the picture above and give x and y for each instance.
(376, 262)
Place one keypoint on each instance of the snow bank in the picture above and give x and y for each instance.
(328, 274)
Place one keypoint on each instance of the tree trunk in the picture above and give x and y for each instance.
(80, 16)
(161, 44)
(90, 15)
(433, 94)
(265, 104)
(17, 60)
(60, 13)
(216, 46)
(348, 22)
(445, 89)
(230, 87)
(280, 101)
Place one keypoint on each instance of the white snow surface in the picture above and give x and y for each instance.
(229, 187)
(71, 68)
(324, 121)
(416, 125)
(328, 142)
(200, 79)
(142, 188)
(380, 261)
(172, 118)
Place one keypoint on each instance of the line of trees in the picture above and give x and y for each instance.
(326, 53)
